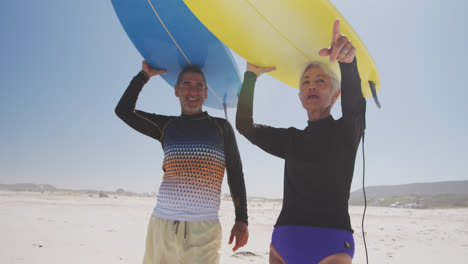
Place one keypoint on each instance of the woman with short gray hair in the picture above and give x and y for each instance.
(314, 224)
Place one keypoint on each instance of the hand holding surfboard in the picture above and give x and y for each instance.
(150, 71)
(287, 34)
(341, 48)
(259, 70)
(170, 37)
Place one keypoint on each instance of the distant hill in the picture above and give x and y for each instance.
(416, 195)
(422, 189)
(32, 187)
(28, 187)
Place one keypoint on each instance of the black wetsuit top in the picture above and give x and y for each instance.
(319, 160)
(197, 150)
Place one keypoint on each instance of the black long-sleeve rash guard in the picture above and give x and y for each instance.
(319, 160)
(197, 150)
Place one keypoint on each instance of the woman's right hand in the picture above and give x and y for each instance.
(150, 71)
(341, 48)
(259, 70)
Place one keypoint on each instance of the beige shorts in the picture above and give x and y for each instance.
(169, 242)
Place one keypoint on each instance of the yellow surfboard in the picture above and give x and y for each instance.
(283, 33)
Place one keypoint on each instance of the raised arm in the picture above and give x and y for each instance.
(353, 104)
(271, 140)
(148, 124)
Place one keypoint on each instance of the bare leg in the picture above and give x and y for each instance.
(275, 257)
(340, 258)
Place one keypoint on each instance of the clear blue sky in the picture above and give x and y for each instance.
(64, 66)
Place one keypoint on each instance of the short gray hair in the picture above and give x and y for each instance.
(335, 82)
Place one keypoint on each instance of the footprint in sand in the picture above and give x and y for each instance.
(245, 254)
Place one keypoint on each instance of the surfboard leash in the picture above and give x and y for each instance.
(364, 192)
(377, 102)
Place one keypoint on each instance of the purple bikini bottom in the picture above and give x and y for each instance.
(306, 244)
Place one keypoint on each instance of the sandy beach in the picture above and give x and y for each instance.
(53, 228)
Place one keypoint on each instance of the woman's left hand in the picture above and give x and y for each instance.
(259, 70)
(341, 48)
